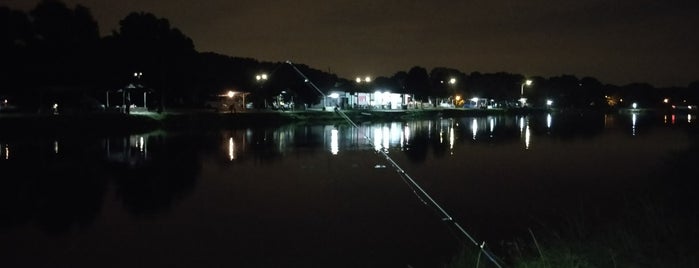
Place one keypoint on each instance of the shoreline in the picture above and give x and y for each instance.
(117, 123)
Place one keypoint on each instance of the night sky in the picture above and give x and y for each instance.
(616, 41)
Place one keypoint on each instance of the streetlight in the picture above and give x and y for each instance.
(366, 79)
(261, 78)
(452, 81)
(522, 99)
(527, 83)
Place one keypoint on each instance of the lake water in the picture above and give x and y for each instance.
(321, 195)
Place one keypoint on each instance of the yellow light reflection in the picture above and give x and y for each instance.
(334, 142)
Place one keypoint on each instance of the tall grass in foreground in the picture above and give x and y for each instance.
(656, 227)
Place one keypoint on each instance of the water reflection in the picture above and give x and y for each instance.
(633, 124)
(4, 151)
(150, 173)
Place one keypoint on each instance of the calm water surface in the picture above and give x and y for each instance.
(320, 195)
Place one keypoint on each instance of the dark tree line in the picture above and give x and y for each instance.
(55, 50)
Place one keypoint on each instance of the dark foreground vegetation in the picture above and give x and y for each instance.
(656, 227)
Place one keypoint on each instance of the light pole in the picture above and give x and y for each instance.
(138, 75)
(452, 82)
(522, 99)
(365, 80)
(527, 83)
(260, 79)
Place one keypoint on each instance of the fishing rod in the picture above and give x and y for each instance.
(417, 190)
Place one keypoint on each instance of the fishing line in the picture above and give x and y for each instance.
(417, 190)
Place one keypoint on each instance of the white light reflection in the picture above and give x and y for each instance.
(231, 149)
(474, 128)
(377, 139)
(141, 143)
(633, 124)
(521, 125)
(548, 121)
(527, 138)
(55, 147)
(6, 151)
(334, 142)
(492, 126)
(689, 118)
(386, 137)
(451, 138)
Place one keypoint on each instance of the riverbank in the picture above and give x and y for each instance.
(116, 123)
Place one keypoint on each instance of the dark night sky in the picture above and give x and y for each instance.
(616, 41)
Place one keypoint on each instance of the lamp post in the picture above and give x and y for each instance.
(365, 80)
(261, 78)
(522, 99)
(138, 75)
(527, 83)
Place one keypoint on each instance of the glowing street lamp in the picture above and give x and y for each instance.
(230, 94)
(261, 77)
(452, 81)
(527, 83)
(366, 79)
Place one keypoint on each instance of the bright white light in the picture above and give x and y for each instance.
(334, 142)
(666, 100)
(231, 149)
(548, 121)
(334, 95)
(528, 82)
(359, 79)
(451, 138)
(474, 128)
(492, 125)
(689, 118)
(549, 102)
(367, 79)
(55, 147)
(527, 138)
(264, 76)
(474, 99)
(406, 133)
(141, 143)
(452, 81)
(634, 105)
(377, 139)
(230, 94)
(633, 124)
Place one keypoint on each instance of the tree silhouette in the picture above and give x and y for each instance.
(418, 82)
